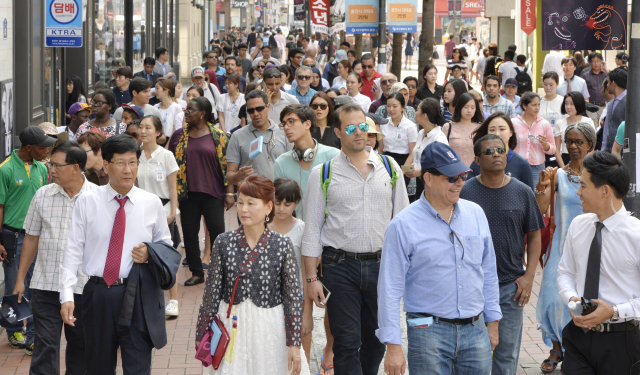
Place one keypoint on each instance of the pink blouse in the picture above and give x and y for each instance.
(528, 145)
(461, 140)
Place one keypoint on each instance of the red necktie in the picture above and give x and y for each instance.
(114, 257)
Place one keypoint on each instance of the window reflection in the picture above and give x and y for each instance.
(109, 40)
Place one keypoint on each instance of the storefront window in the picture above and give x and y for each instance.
(139, 33)
(109, 39)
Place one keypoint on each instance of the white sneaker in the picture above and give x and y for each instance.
(172, 309)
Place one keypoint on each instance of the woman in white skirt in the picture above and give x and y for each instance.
(255, 271)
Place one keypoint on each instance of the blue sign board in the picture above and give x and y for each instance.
(63, 26)
(402, 16)
(362, 16)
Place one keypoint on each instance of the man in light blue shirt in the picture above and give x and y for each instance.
(302, 91)
(438, 256)
(299, 122)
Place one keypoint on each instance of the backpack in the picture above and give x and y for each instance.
(497, 64)
(327, 169)
(524, 81)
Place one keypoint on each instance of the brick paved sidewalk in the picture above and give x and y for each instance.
(178, 356)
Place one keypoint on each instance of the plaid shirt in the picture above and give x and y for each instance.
(360, 209)
(503, 105)
(594, 86)
(49, 217)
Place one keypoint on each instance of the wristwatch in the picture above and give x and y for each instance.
(312, 279)
(615, 317)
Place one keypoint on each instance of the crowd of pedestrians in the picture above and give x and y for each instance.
(355, 190)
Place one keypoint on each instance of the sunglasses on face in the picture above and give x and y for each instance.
(211, 57)
(411, 87)
(388, 82)
(367, 66)
(350, 129)
(490, 151)
(273, 75)
(259, 109)
(454, 179)
(304, 78)
(321, 106)
(261, 66)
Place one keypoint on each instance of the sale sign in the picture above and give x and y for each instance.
(320, 16)
(362, 16)
(402, 16)
(528, 16)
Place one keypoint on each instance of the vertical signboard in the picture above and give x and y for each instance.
(402, 16)
(338, 8)
(320, 16)
(6, 118)
(528, 16)
(298, 10)
(362, 16)
(63, 26)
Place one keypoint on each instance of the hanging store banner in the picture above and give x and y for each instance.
(584, 25)
(528, 16)
(362, 16)
(338, 8)
(298, 10)
(320, 16)
(63, 26)
(402, 16)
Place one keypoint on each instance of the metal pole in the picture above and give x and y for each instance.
(632, 127)
(382, 32)
(128, 32)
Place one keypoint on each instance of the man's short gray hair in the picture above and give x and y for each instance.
(303, 67)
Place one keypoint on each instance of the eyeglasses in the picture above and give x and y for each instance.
(490, 151)
(133, 134)
(289, 123)
(259, 109)
(211, 57)
(54, 165)
(297, 57)
(273, 75)
(411, 87)
(454, 179)
(454, 234)
(367, 66)
(321, 106)
(261, 66)
(350, 129)
(311, 65)
(121, 164)
(97, 104)
(388, 82)
(304, 78)
(570, 142)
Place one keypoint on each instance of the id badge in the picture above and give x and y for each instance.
(160, 175)
(234, 111)
(553, 121)
(399, 134)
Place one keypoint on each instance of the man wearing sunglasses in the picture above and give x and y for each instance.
(507, 201)
(311, 63)
(302, 91)
(299, 123)
(368, 75)
(274, 142)
(386, 81)
(360, 202)
(438, 256)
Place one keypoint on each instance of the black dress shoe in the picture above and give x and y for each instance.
(194, 280)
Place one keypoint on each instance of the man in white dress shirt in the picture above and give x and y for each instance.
(601, 262)
(106, 253)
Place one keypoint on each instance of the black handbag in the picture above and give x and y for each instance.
(435, 55)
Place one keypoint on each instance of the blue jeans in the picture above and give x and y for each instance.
(506, 354)
(10, 277)
(447, 348)
(535, 171)
(353, 313)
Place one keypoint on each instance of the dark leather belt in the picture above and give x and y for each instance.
(452, 321)
(21, 231)
(357, 256)
(616, 327)
(100, 280)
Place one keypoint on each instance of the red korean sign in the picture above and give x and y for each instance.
(320, 16)
(528, 16)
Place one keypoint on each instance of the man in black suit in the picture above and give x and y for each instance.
(108, 237)
(148, 73)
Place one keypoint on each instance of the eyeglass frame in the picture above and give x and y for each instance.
(492, 150)
(121, 164)
(252, 110)
(351, 128)
(56, 166)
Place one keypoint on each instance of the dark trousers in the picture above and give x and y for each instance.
(191, 210)
(48, 323)
(353, 313)
(103, 335)
(600, 353)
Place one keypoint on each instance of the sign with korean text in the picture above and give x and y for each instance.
(337, 14)
(402, 16)
(320, 16)
(528, 16)
(63, 26)
(362, 16)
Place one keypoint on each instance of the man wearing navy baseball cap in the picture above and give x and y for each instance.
(438, 256)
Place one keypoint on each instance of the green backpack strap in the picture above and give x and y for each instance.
(325, 174)
(389, 166)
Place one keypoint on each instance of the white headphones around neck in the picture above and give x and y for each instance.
(306, 155)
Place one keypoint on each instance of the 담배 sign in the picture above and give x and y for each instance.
(402, 16)
(362, 16)
(63, 26)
